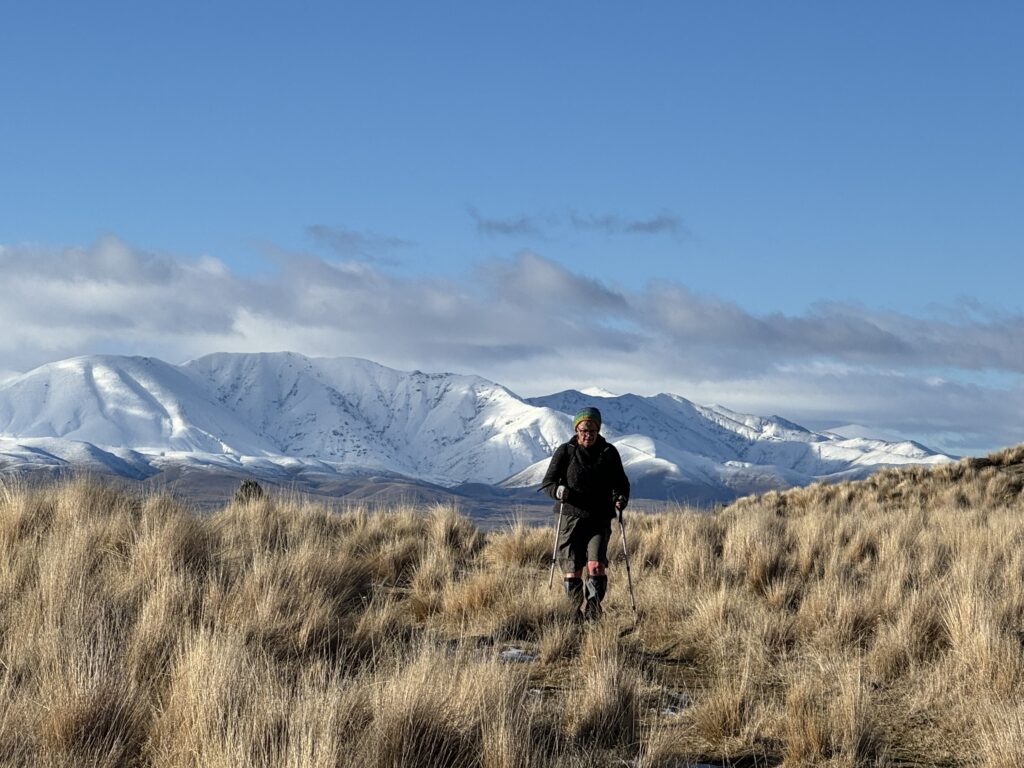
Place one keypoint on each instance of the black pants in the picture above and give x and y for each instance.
(582, 539)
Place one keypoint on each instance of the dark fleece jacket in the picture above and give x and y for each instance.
(593, 476)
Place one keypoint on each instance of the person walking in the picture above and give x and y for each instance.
(589, 486)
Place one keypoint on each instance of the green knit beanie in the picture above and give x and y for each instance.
(587, 414)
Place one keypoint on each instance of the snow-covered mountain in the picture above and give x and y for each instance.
(673, 448)
(289, 418)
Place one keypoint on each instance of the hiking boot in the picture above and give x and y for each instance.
(596, 588)
(574, 592)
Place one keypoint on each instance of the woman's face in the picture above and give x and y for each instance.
(586, 432)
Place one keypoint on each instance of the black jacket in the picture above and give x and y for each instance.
(593, 476)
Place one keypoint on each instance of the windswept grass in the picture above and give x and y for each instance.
(870, 623)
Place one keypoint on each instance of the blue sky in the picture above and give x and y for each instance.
(811, 209)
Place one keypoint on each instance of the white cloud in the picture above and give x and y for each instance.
(532, 324)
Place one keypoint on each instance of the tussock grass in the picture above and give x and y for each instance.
(871, 623)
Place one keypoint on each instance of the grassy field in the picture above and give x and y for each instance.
(870, 623)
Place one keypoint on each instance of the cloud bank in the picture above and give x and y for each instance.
(952, 379)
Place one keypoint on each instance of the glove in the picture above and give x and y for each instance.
(621, 502)
(562, 493)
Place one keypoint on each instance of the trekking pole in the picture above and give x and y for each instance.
(554, 550)
(625, 554)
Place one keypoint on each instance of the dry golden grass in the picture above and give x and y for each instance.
(872, 623)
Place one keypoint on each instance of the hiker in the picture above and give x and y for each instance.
(587, 482)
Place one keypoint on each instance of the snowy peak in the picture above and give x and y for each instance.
(446, 428)
(597, 392)
(668, 420)
(121, 401)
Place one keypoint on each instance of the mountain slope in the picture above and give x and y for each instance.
(444, 428)
(137, 402)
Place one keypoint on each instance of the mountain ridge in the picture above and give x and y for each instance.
(281, 414)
